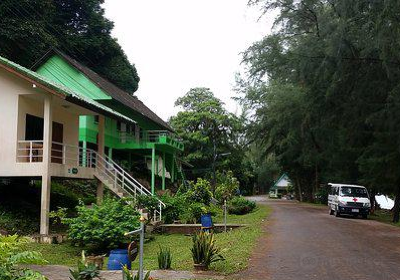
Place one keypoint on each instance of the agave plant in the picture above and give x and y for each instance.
(127, 274)
(204, 250)
(164, 258)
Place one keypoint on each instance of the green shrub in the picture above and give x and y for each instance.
(174, 207)
(240, 206)
(164, 258)
(204, 250)
(148, 202)
(200, 192)
(192, 213)
(12, 257)
(103, 226)
(227, 186)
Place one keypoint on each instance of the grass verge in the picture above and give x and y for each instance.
(384, 216)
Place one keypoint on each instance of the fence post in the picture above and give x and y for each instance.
(225, 215)
(141, 248)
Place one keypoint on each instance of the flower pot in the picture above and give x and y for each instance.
(200, 267)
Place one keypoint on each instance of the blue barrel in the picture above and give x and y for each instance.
(206, 221)
(118, 258)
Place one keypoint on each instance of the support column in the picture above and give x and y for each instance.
(153, 167)
(110, 153)
(173, 168)
(163, 172)
(46, 175)
(100, 150)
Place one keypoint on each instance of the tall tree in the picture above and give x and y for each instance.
(28, 28)
(342, 58)
(211, 135)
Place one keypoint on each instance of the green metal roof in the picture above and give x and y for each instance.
(277, 181)
(68, 93)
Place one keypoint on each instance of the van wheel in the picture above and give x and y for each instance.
(365, 216)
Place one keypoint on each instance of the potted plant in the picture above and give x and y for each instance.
(204, 250)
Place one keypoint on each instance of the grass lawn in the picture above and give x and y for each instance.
(236, 246)
(384, 216)
(60, 254)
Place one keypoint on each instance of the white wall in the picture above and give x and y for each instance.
(18, 98)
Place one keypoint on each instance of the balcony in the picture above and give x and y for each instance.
(30, 151)
(153, 136)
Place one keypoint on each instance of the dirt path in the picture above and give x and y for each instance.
(305, 242)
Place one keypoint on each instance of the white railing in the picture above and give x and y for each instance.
(120, 179)
(154, 135)
(30, 151)
(108, 171)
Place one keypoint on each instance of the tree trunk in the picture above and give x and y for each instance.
(372, 198)
(396, 208)
(300, 195)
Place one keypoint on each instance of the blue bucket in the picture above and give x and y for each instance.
(206, 221)
(118, 259)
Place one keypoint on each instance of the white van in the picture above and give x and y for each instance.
(348, 199)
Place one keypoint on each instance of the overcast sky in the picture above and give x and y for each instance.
(180, 44)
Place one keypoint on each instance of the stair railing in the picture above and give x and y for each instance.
(115, 174)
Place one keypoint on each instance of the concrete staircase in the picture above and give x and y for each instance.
(120, 182)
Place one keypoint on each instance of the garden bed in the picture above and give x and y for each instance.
(192, 228)
(236, 246)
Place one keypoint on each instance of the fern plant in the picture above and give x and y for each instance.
(12, 256)
(164, 258)
(204, 250)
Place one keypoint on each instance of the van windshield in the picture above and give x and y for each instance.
(353, 191)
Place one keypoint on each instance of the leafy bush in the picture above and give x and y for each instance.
(227, 186)
(200, 192)
(192, 212)
(103, 226)
(174, 207)
(12, 257)
(164, 258)
(204, 250)
(148, 202)
(240, 206)
(85, 271)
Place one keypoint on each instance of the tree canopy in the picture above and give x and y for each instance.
(324, 90)
(212, 136)
(29, 28)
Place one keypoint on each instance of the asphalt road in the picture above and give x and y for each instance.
(304, 242)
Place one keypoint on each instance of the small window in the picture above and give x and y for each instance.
(96, 119)
(118, 125)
